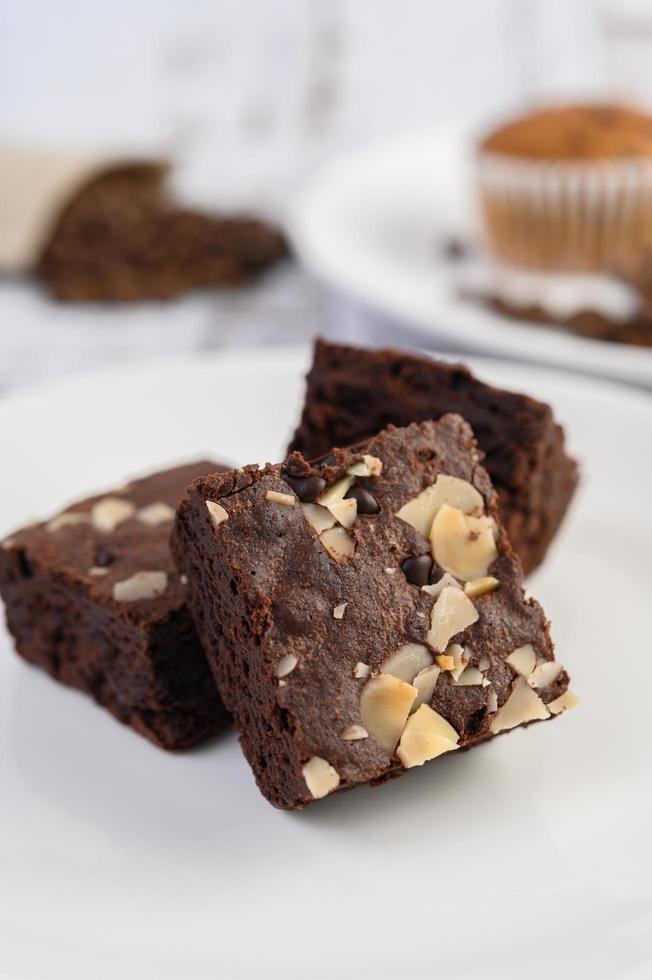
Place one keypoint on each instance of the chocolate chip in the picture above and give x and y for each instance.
(417, 569)
(307, 488)
(435, 573)
(329, 460)
(367, 503)
(103, 556)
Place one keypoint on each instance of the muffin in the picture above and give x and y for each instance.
(568, 187)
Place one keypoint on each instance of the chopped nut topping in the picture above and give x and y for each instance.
(361, 671)
(369, 466)
(545, 674)
(421, 511)
(425, 683)
(282, 683)
(108, 513)
(142, 585)
(390, 571)
(321, 779)
(564, 702)
(183, 579)
(407, 662)
(451, 613)
(480, 586)
(522, 660)
(318, 517)
(521, 706)
(463, 545)
(425, 736)
(337, 543)
(153, 514)
(438, 587)
(338, 611)
(67, 518)
(217, 512)
(484, 663)
(470, 677)
(335, 492)
(281, 498)
(97, 570)
(286, 665)
(345, 511)
(492, 701)
(385, 703)
(353, 733)
(460, 659)
(445, 661)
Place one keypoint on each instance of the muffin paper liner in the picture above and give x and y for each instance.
(574, 216)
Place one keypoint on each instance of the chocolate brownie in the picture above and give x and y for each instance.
(353, 393)
(365, 614)
(93, 597)
(121, 238)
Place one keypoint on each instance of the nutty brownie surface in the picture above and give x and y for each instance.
(93, 597)
(352, 393)
(304, 582)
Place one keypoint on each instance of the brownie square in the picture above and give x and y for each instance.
(352, 393)
(327, 620)
(93, 597)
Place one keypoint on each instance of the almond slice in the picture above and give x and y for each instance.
(523, 660)
(425, 683)
(337, 543)
(452, 613)
(425, 736)
(564, 702)
(337, 491)
(276, 497)
(217, 513)
(109, 512)
(318, 517)
(462, 545)
(521, 706)
(407, 662)
(385, 703)
(480, 586)
(421, 511)
(545, 674)
(321, 779)
(344, 511)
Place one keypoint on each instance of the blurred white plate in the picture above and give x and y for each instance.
(530, 856)
(372, 223)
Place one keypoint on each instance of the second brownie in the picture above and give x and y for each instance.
(93, 597)
(353, 392)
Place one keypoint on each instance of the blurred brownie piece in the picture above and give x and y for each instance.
(352, 393)
(120, 237)
(634, 330)
(93, 597)
(366, 614)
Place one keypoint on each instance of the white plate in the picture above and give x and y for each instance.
(371, 223)
(527, 857)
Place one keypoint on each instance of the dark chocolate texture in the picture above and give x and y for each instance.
(138, 657)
